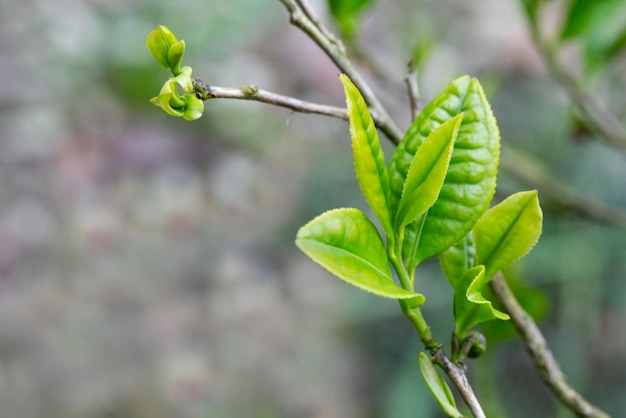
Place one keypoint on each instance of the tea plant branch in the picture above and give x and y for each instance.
(254, 93)
(302, 16)
(544, 360)
(458, 376)
(595, 113)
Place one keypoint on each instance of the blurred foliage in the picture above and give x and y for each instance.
(347, 15)
(141, 274)
(600, 26)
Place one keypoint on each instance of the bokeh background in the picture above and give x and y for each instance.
(147, 264)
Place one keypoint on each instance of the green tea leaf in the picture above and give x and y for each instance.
(438, 386)
(427, 172)
(459, 258)
(470, 306)
(346, 243)
(508, 231)
(369, 159)
(159, 42)
(471, 179)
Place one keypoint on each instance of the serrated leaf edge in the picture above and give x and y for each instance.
(384, 212)
(534, 194)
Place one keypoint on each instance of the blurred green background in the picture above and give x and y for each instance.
(147, 265)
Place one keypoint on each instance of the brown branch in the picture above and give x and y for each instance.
(253, 93)
(413, 90)
(310, 14)
(459, 378)
(544, 360)
(305, 20)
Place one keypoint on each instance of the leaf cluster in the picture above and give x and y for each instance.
(432, 199)
(169, 51)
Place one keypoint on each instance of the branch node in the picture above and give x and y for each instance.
(250, 91)
(203, 91)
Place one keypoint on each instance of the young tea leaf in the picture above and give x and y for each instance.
(438, 386)
(159, 42)
(369, 160)
(470, 306)
(508, 231)
(346, 243)
(471, 178)
(427, 171)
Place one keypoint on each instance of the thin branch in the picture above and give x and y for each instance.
(253, 93)
(310, 14)
(595, 113)
(544, 360)
(459, 378)
(300, 18)
(413, 90)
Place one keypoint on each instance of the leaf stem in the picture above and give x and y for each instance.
(411, 312)
(414, 315)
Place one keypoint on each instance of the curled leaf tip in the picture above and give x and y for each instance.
(187, 104)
